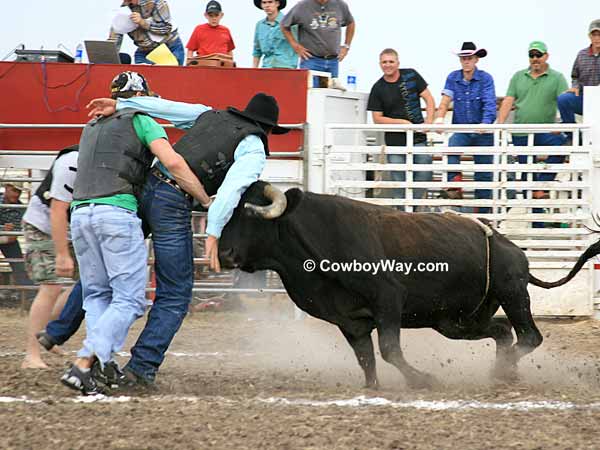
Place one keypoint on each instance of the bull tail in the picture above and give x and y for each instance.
(589, 253)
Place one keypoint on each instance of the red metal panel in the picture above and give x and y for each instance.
(58, 93)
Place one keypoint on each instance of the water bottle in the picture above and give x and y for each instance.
(79, 53)
(351, 80)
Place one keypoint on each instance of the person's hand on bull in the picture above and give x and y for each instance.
(65, 267)
(102, 107)
(212, 252)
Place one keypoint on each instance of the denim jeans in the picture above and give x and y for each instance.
(570, 104)
(322, 65)
(168, 214)
(540, 139)
(473, 140)
(417, 176)
(176, 48)
(13, 251)
(71, 316)
(112, 258)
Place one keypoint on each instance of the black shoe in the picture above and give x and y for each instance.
(45, 340)
(111, 376)
(129, 381)
(74, 378)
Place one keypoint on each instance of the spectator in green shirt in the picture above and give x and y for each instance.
(534, 92)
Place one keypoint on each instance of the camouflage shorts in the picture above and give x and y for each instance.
(40, 258)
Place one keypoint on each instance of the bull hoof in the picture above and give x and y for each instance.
(505, 374)
(374, 385)
(423, 381)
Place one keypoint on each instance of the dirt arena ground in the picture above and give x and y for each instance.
(257, 379)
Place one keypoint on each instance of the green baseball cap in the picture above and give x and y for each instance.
(539, 46)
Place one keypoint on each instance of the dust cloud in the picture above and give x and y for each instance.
(313, 348)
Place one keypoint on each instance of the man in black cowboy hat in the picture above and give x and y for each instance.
(227, 151)
(474, 96)
(269, 41)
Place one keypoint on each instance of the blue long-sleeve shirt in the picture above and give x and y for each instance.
(474, 100)
(249, 156)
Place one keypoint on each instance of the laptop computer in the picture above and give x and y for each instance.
(102, 52)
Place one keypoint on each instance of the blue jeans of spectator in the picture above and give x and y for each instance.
(71, 316)
(168, 214)
(570, 104)
(474, 140)
(13, 251)
(540, 139)
(322, 65)
(112, 258)
(176, 48)
(417, 176)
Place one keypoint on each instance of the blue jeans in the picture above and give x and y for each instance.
(168, 214)
(474, 140)
(67, 324)
(570, 104)
(417, 176)
(322, 65)
(13, 251)
(176, 48)
(540, 139)
(112, 258)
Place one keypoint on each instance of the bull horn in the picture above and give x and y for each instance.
(596, 218)
(277, 206)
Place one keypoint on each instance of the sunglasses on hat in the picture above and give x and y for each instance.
(535, 54)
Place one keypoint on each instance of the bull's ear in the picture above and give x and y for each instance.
(294, 198)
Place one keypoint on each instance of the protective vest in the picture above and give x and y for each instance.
(208, 146)
(43, 190)
(112, 160)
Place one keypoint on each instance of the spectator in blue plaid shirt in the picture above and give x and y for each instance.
(586, 72)
(10, 220)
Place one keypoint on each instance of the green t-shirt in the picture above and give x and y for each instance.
(535, 98)
(147, 131)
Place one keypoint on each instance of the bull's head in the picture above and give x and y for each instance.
(251, 229)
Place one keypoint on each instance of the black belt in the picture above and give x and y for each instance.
(165, 179)
(81, 205)
(328, 57)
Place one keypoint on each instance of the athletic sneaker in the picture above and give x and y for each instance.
(45, 340)
(78, 380)
(111, 376)
(131, 382)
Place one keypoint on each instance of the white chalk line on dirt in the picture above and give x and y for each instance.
(127, 355)
(434, 405)
(356, 402)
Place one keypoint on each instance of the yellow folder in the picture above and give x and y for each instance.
(162, 56)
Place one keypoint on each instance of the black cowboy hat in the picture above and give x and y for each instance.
(470, 49)
(282, 4)
(262, 108)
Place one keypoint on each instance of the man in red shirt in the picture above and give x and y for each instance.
(211, 37)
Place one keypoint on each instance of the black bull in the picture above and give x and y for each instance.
(270, 230)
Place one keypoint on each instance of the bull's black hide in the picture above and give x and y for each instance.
(459, 303)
